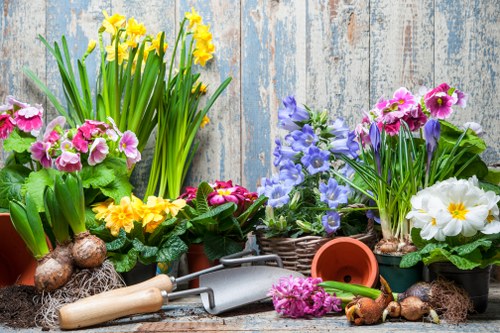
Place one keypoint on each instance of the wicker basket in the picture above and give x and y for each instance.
(297, 253)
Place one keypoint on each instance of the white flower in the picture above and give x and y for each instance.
(425, 208)
(492, 225)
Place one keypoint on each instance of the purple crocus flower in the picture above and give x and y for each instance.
(98, 151)
(316, 160)
(432, 132)
(302, 139)
(40, 152)
(282, 153)
(333, 194)
(69, 162)
(375, 142)
(291, 173)
(277, 194)
(331, 221)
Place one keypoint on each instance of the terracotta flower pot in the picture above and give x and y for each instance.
(346, 259)
(17, 265)
(196, 261)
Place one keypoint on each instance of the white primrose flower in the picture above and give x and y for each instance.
(425, 208)
(492, 225)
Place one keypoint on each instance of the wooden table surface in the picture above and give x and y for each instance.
(188, 315)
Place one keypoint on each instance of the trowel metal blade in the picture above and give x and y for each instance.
(234, 287)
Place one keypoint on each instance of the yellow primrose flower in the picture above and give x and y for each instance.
(111, 24)
(205, 121)
(193, 17)
(155, 44)
(134, 31)
(174, 207)
(152, 213)
(101, 209)
(122, 52)
(120, 216)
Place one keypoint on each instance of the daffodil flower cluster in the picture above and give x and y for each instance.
(204, 48)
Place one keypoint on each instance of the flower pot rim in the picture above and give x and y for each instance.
(373, 274)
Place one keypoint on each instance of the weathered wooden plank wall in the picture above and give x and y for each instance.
(340, 55)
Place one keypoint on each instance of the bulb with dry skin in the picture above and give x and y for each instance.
(411, 308)
(366, 311)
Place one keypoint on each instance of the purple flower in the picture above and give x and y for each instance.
(54, 129)
(98, 151)
(302, 139)
(296, 297)
(461, 98)
(333, 194)
(69, 162)
(316, 160)
(291, 114)
(282, 153)
(40, 151)
(339, 128)
(432, 131)
(291, 173)
(277, 194)
(375, 142)
(403, 99)
(128, 145)
(345, 146)
(415, 118)
(331, 221)
(440, 105)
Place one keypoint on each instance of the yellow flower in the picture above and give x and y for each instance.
(134, 31)
(111, 24)
(152, 213)
(91, 46)
(201, 57)
(155, 44)
(205, 121)
(122, 52)
(121, 216)
(101, 209)
(174, 207)
(202, 33)
(193, 17)
(202, 86)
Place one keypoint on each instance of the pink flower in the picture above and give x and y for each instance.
(6, 126)
(296, 297)
(128, 145)
(404, 99)
(40, 151)
(79, 142)
(133, 160)
(390, 128)
(440, 105)
(66, 145)
(69, 162)
(54, 129)
(30, 118)
(223, 195)
(12, 104)
(443, 87)
(222, 184)
(461, 98)
(98, 151)
(189, 193)
(415, 118)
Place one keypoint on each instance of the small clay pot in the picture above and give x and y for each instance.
(346, 259)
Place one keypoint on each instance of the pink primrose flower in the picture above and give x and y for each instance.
(443, 87)
(98, 151)
(223, 195)
(66, 145)
(390, 128)
(128, 145)
(189, 193)
(133, 160)
(30, 118)
(79, 142)
(7, 125)
(40, 151)
(440, 104)
(12, 104)
(54, 129)
(415, 118)
(461, 98)
(404, 99)
(222, 184)
(69, 162)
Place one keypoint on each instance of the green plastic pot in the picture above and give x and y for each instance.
(399, 279)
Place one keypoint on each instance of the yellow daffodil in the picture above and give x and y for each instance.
(120, 216)
(205, 121)
(134, 31)
(122, 51)
(111, 24)
(194, 18)
(155, 44)
(203, 88)
(201, 57)
(202, 33)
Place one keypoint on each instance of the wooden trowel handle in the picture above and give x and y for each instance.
(160, 281)
(102, 309)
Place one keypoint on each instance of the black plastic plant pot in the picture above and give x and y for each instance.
(139, 273)
(476, 282)
(399, 279)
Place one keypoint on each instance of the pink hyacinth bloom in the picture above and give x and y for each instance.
(128, 144)
(69, 162)
(440, 105)
(6, 126)
(98, 151)
(404, 99)
(54, 129)
(29, 119)
(40, 151)
(415, 118)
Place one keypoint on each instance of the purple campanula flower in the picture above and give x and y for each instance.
(277, 194)
(331, 221)
(266, 182)
(282, 153)
(333, 194)
(339, 128)
(316, 160)
(302, 139)
(345, 146)
(296, 113)
(291, 173)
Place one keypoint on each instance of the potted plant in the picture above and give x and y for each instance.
(408, 145)
(457, 233)
(138, 232)
(308, 203)
(219, 217)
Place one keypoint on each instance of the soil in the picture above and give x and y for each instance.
(18, 306)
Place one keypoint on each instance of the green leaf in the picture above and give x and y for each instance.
(119, 188)
(145, 251)
(204, 189)
(12, 179)
(97, 176)
(36, 183)
(464, 263)
(16, 142)
(137, 232)
(217, 246)
(124, 262)
(171, 249)
(118, 243)
(450, 134)
(219, 212)
(160, 231)
(102, 232)
(469, 248)
(252, 209)
(410, 259)
(493, 176)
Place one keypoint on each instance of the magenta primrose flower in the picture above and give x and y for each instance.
(40, 151)
(296, 297)
(128, 145)
(404, 99)
(30, 118)
(7, 125)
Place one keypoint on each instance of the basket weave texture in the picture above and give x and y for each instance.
(297, 253)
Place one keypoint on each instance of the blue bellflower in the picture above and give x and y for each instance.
(277, 194)
(316, 160)
(331, 221)
(291, 173)
(333, 194)
(282, 154)
(301, 140)
(291, 114)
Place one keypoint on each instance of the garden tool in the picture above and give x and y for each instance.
(220, 290)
